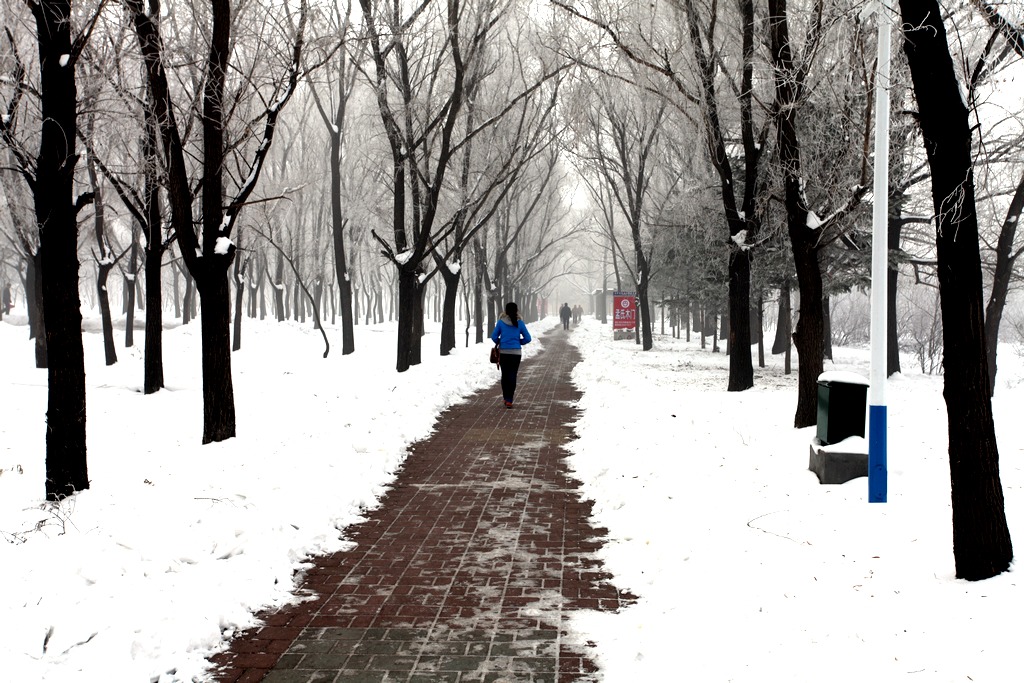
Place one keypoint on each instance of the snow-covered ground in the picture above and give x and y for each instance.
(747, 569)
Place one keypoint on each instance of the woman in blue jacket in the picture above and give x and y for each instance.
(510, 334)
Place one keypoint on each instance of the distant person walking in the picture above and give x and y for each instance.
(565, 313)
(510, 334)
(577, 314)
(7, 298)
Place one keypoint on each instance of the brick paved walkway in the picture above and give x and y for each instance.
(467, 569)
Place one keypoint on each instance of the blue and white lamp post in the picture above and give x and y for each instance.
(878, 485)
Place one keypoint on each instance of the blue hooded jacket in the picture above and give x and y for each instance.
(510, 337)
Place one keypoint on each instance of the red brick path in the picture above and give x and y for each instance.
(468, 568)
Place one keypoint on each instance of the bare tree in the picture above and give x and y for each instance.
(1006, 254)
(981, 537)
(420, 146)
(209, 259)
(423, 62)
(25, 242)
(498, 158)
(626, 133)
(712, 64)
(804, 239)
(144, 206)
(806, 230)
(104, 255)
(335, 118)
(1006, 258)
(50, 177)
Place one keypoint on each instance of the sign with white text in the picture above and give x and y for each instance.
(624, 311)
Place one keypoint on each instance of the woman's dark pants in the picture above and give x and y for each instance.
(509, 363)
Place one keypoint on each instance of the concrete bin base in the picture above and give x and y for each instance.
(837, 465)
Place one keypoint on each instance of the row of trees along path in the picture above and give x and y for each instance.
(460, 151)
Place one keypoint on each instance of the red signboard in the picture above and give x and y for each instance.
(624, 312)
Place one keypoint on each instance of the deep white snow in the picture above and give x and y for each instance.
(746, 568)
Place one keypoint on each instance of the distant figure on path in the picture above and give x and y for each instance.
(7, 298)
(510, 334)
(565, 313)
(577, 314)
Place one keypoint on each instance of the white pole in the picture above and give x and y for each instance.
(877, 418)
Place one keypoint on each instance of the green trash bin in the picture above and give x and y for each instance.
(842, 406)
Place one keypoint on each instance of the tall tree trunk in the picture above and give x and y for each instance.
(724, 325)
(898, 173)
(263, 294)
(109, 352)
(826, 326)
(892, 361)
(153, 380)
(130, 281)
(809, 335)
(154, 351)
(357, 295)
(318, 297)
(348, 317)
(338, 223)
(218, 390)
(416, 350)
(741, 367)
(212, 278)
(256, 286)
(333, 303)
(56, 212)
(478, 294)
(279, 288)
(252, 304)
(448, 308)
(787, 363)
(981, 537)
(175, 272)
(760, 329)
(1005, 259)
(104, 259)
(742, 230)
(236, 337)
(700, 321)
(408, 295)
(467, 300)
(784, 321)
(336, 130)
(34, 306)
(808, 338)
(188, 300)
(685, 318)
(645, 313)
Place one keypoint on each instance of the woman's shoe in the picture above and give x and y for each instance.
(508, 404)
